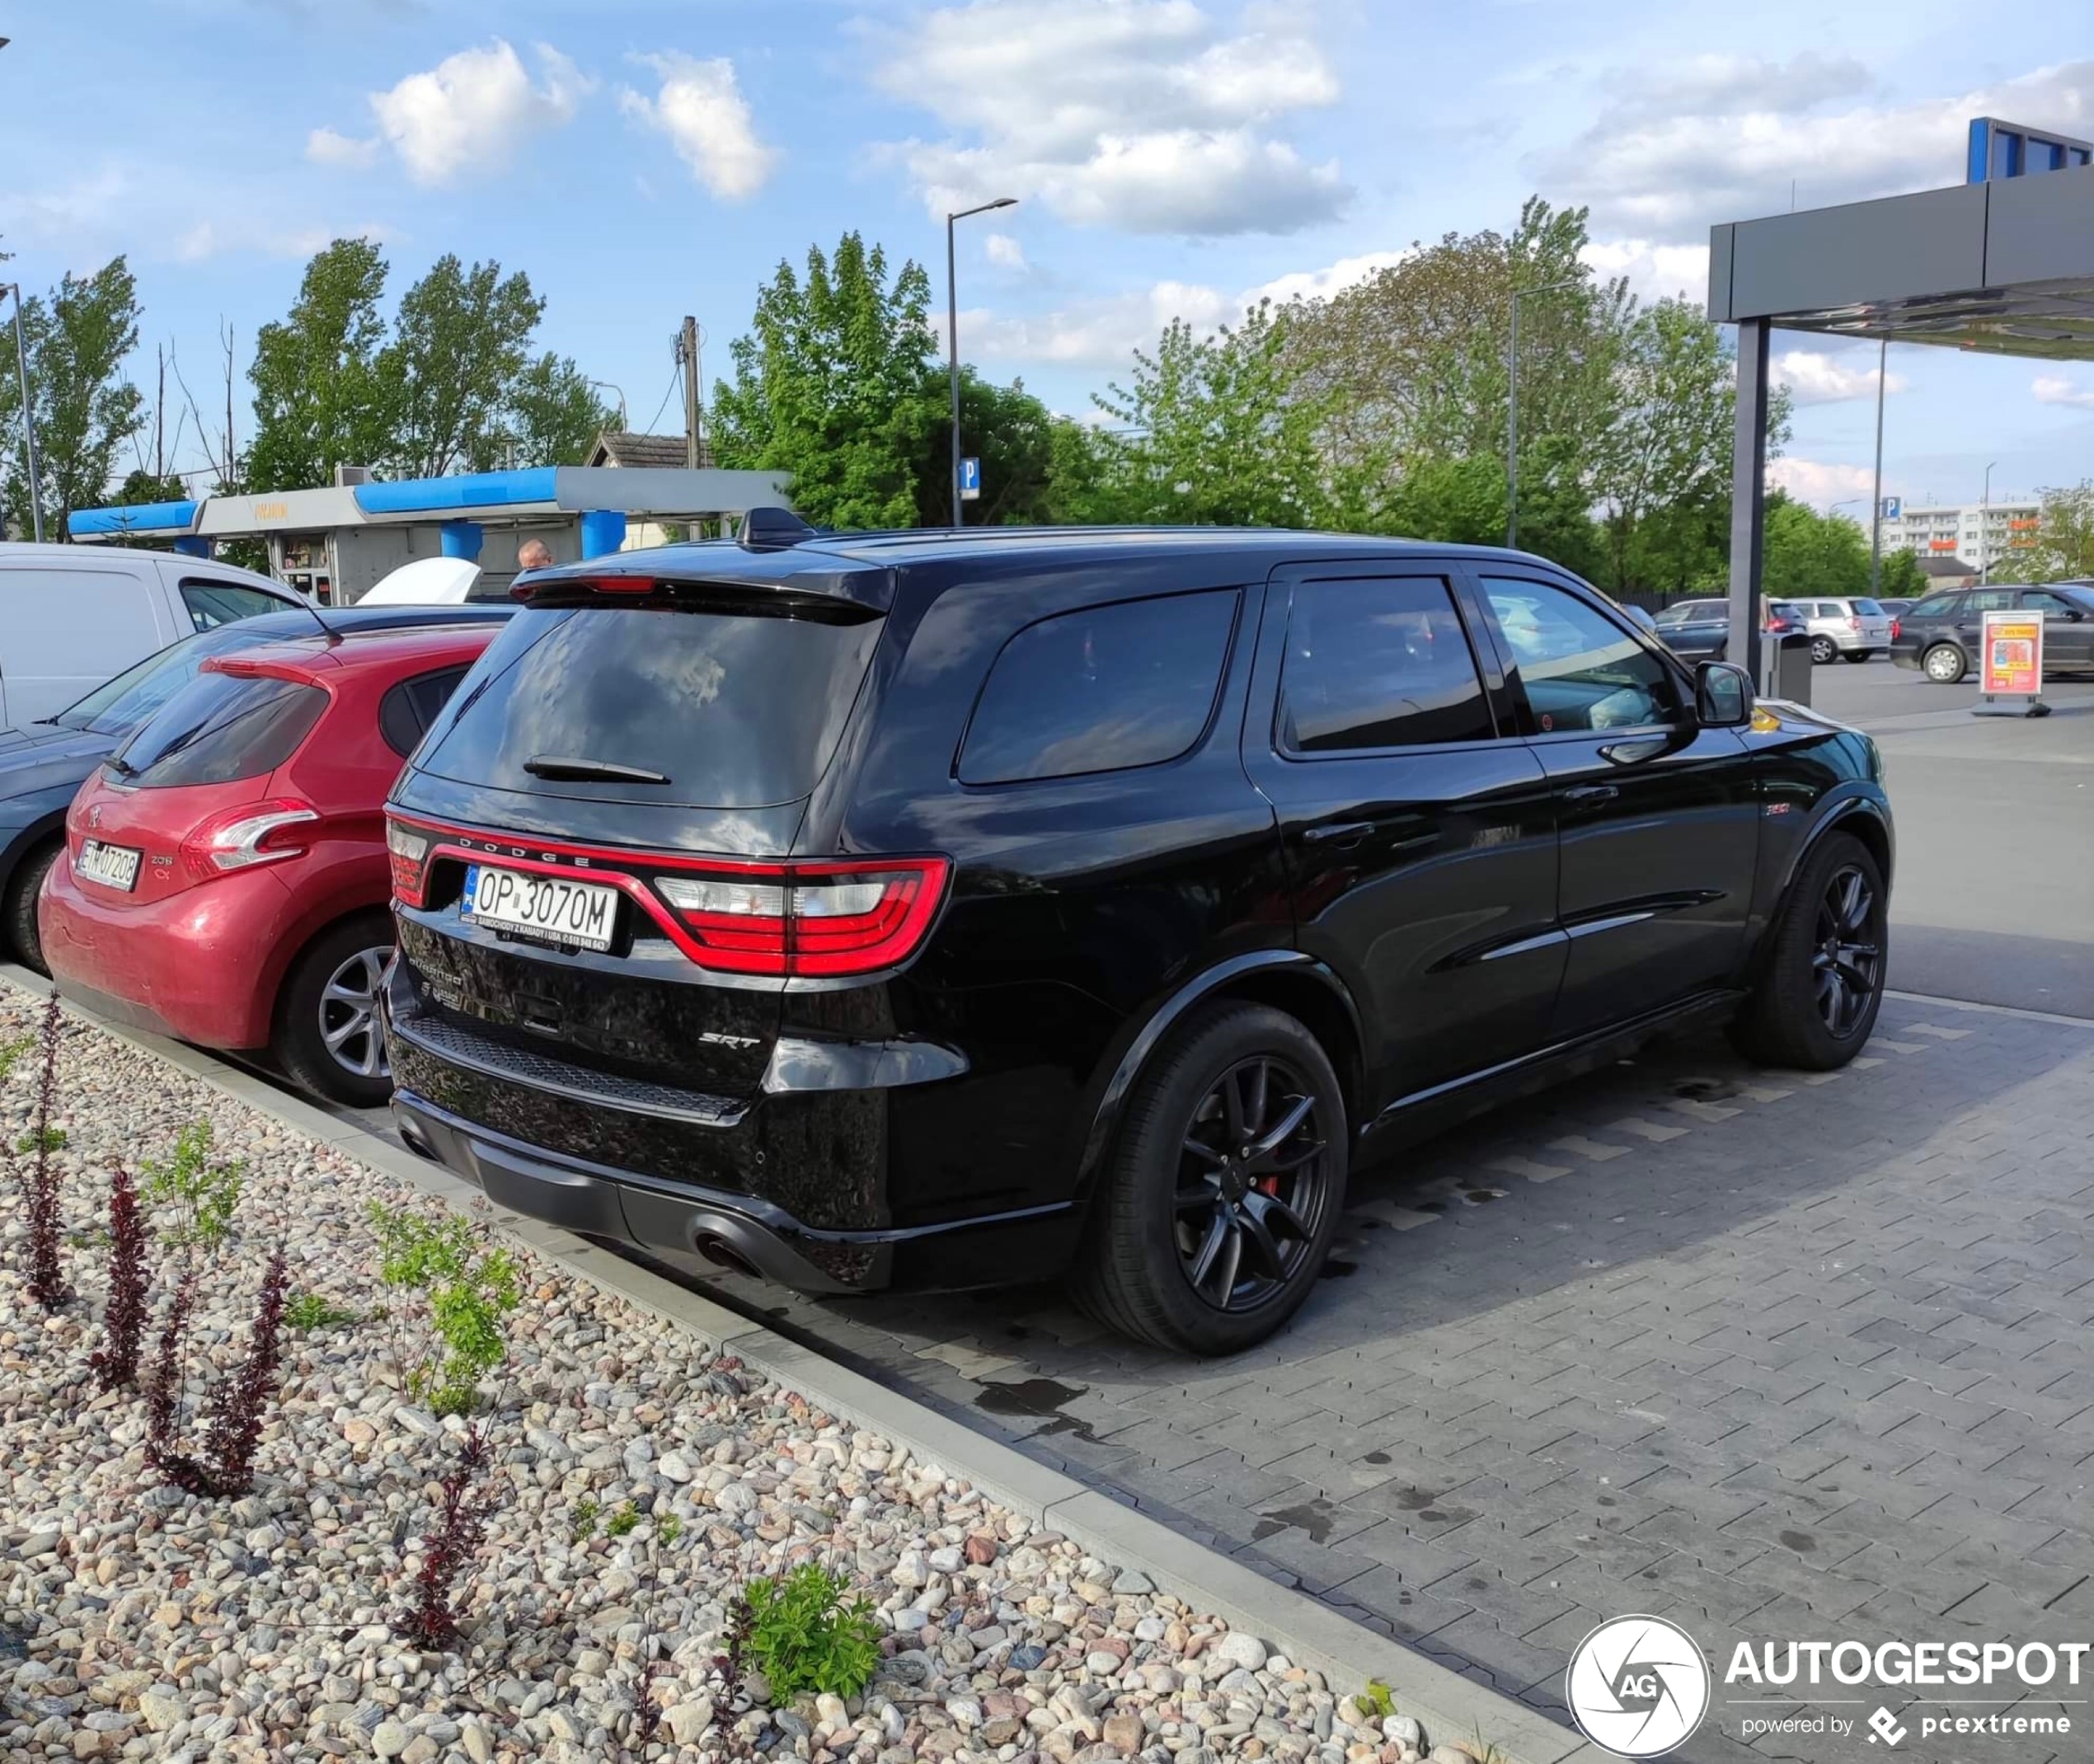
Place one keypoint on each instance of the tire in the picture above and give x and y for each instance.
(316, 1005)
(1944, 663)
(1824, 651)
(1860, 655)
(18, 912)
(1794, 1018)
(1141, 1252)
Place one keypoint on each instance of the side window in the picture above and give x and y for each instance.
(2039, 600)
(1580, 669)
(407, 710)
(1100, 689)
(1989, 600)
(1377, 662)
(1934, 606)
(211, 604)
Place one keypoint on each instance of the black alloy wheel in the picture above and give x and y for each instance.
(1847, 961)
(1251, 1190)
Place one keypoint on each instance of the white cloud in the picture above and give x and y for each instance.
(1137, 115)
(327, 147)
(472, 111)
(1819, 484)
(1004, 251)
(208, 239)
(2050, 389)
(701, 109)
(1813, 378)
(1723, 138)
(1106, 331)
(1654, 272)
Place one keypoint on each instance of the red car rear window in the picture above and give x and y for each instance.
(219, 728)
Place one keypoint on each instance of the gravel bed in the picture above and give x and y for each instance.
(138, 1622)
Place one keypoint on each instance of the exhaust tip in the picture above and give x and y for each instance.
(413, 1138)
(722, 1253)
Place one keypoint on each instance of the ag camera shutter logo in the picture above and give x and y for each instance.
(1638, 1686)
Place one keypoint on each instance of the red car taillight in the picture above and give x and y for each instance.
(264, 833)
(822, 919)
(1896, 626)
(407, 848)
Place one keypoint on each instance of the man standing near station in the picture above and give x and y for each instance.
(534, 554)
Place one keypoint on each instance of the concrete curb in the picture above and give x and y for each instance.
(1451, 1707)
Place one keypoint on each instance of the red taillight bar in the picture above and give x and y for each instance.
(600, 584)
(794, 939)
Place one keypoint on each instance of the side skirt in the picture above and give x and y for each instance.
(1424, 1113)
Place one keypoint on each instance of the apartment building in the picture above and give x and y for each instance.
(1981, 534)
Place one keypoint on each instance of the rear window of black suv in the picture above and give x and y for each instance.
(729, 710)
(1104, 688)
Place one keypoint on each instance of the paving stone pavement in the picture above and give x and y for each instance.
(1780, 1357)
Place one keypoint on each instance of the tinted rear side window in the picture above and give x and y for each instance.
(407, 710)
(733, 709)
(213, 603)
(1100, 689)
(1934, 606)
(221, 727)
(1377, 662)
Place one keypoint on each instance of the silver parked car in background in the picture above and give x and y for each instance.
(1850, 627)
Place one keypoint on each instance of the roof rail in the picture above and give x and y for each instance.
(773, 529)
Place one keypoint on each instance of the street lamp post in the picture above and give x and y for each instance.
(1985, 528)
(28, 418)
(624, 421)
(952, 332)
(1876, 507)
(1511, 407)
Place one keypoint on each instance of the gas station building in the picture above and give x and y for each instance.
(335, 543)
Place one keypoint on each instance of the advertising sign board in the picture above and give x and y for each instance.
(2010, 664)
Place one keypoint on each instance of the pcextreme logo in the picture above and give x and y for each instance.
(1638, 1686)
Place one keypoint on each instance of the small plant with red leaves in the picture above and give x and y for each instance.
(431, 1619)
(163, 1390)
(38, 1178)
(116, 1362)
(234, 1409)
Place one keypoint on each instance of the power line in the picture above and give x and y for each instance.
(675, 380)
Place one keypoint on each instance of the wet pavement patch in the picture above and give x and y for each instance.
(1316, 1516)
(1040, 1399)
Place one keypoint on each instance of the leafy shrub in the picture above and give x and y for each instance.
(38, 1179)
(203, 1194)
(226, 1465)
(431, 1621)
(584, 1524)
(803, 1633)
(116, 1362)
(465, 1291)
(310, 1311)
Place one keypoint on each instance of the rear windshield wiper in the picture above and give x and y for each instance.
(583, 770)
(120, 766)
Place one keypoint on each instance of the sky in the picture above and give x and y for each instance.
(642, 159)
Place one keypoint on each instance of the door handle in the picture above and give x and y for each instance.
(1591, 793)
(1339, 833)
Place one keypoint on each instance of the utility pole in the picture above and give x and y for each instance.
(1876, 520)
(28, 419)
(1985, 527)
(687, 352)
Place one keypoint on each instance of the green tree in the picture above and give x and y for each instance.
(459, 347)
(320, 400)
(1902, 577)
(140, 485)
(1662, 463)
(833, 385)
(1005, 427)
(553, 417)
(76, 341)
(1217, 431)
(2064, 539)
(1808, 553)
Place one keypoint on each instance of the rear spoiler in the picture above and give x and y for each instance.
(786, 581)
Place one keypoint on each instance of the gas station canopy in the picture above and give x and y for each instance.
(2002, 263)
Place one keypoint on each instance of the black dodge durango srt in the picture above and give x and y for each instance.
(961, 908)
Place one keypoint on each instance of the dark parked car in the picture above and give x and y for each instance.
(961, 908)
(1699, 633)
(43, 765)
(1942, 635)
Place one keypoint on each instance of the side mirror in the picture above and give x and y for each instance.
(1723, 696)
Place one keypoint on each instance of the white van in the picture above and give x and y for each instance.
(72, 616)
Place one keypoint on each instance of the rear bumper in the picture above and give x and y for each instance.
(791, 1184)
(190, 966)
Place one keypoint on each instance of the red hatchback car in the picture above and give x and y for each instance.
(226, 880)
